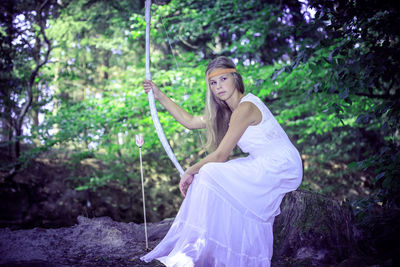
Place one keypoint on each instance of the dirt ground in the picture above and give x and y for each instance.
(99, 241)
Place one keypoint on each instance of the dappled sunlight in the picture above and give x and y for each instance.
(333, 178)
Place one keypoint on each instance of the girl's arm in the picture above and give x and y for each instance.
(182, 116)
(243, 116)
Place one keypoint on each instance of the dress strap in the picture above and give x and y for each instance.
(259, 104)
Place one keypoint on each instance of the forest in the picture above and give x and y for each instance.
(72, 102)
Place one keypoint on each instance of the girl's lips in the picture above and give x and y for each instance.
(221, 93)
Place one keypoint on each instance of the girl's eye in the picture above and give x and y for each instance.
(212, 83)
(223, 78)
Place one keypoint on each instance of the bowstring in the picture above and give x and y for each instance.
(178, 69)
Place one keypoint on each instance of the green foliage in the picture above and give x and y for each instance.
(362, 73)
(251, 31)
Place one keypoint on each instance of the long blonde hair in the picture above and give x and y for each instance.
(217, 112)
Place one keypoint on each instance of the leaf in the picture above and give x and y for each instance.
(338, 109)
(385, 128)
(332, 54)
(383, 150)
(353, 165)
(378, 176)
(363, 119)
(316, 87)
(81, 188)
(344, 93)
(387, 182)
(348, 100)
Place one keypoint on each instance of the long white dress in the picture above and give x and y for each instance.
(227, 216)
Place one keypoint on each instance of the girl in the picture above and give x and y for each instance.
(229, 208)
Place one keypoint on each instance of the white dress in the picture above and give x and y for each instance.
(227, 216)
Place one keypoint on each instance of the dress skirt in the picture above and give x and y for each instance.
(226, 218)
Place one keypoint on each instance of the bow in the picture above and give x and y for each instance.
(150, 95)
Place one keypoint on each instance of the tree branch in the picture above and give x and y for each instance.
(35, 72)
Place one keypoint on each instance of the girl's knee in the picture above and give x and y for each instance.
(208, 168)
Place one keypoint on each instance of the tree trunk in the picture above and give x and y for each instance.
(41, 19)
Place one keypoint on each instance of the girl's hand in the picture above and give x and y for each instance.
(186, 181)
(148, 85)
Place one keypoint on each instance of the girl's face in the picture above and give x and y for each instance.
(222, 86)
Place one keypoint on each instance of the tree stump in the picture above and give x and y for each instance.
(313, 228)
